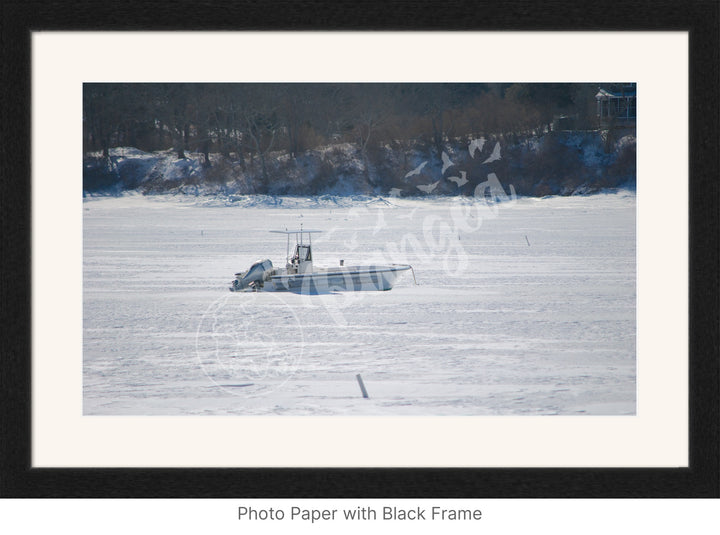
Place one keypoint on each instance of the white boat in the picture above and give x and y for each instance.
(300, 276)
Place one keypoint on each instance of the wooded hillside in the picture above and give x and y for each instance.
(261, 130)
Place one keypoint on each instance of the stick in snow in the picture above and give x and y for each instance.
(362, 386)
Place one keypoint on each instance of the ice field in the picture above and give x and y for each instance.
(524, 307)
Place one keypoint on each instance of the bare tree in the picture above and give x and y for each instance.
(259, 112)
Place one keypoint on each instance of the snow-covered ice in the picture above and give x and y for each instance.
(521, 308)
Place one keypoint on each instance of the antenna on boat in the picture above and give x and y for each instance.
(287, 249)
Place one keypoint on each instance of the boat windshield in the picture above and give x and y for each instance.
(302, 253)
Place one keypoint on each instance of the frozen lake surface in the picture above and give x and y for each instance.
(521, 308)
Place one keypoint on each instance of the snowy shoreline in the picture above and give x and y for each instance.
(207, 199)
(556, 163)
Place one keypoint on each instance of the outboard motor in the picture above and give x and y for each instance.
(253, 277)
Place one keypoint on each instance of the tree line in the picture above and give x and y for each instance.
(248, 121)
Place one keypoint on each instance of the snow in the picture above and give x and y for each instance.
(524, 307)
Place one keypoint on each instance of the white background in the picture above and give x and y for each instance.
(499, 517)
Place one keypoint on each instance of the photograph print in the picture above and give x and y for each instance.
(359, 249)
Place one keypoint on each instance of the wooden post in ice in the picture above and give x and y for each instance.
(362, 386)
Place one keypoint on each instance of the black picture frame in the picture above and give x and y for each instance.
(701, 18)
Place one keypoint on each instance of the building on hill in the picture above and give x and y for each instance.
(617, 105)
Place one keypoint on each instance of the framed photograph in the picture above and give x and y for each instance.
(462, 263)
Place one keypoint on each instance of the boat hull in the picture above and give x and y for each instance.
(349, 278)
